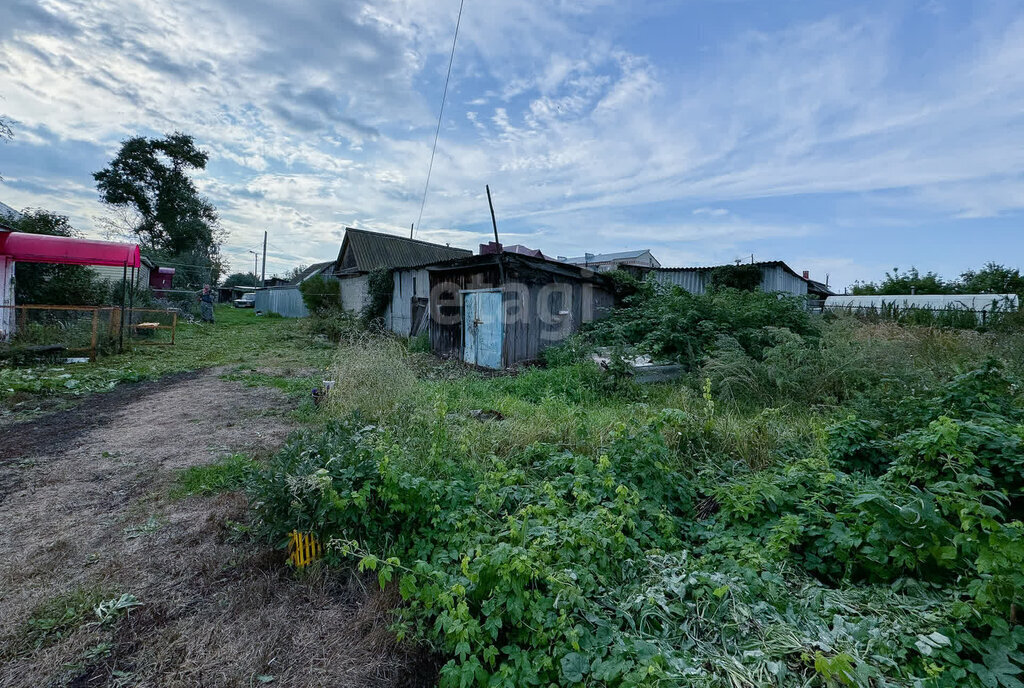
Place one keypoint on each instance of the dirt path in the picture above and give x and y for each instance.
(84, 510)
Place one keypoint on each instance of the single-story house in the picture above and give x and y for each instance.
(114, 274)
(8, 216)
(776, 276)
(497, 310)
(605, 262)
(363, 251)
(325, 268)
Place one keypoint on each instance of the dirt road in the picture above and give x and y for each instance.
(85, 511)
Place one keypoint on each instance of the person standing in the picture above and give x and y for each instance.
(206, 304)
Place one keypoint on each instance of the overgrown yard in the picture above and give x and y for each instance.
(815, 503)
(127, 561)
(241, 340)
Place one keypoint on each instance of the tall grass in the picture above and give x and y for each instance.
(373, 377)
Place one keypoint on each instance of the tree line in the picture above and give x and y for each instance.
(993, 278)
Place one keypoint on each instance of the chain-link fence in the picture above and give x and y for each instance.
(40, 331)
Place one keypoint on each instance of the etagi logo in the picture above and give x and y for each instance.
(554, 310)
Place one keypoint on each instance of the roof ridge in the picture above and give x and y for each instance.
(402, 238)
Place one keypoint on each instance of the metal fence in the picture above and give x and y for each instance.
(286, 301)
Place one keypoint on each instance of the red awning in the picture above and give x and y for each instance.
(43, 248)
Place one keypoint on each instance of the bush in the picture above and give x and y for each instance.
(321, 294)
(671, 324)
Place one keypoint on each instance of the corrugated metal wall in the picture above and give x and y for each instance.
(693, 281)
(286, 301)
(773, 278)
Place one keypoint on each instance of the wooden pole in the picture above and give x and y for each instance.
(263, 273)
(120, 332)
(95, 325)
(174, 325)
(494, 222)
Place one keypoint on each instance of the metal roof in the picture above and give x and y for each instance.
(605, 257)
(313, 269)
(373, 250)
(8, 213)
(542, 264)
(760, 264)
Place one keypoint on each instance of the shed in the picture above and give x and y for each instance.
(495, 311)
(363, 251)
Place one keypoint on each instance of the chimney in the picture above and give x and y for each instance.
(807, 274)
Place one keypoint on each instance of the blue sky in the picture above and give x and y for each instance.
(844, 138)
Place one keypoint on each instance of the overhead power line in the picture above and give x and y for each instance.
(440, 114)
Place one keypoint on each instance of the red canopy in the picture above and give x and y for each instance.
(43, 248)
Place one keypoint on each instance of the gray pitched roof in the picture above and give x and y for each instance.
(605, 257)
(8, 213)
(313, 269)
(364, 251)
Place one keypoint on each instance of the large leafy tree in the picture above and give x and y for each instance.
(49, 283)
(149, 179)
(992, 279)
(240, 279)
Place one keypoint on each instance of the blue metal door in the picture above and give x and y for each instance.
(483, 313)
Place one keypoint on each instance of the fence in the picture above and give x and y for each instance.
(286, 301)
(949, 316)
(41, 330)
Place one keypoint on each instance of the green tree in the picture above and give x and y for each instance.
(991, 279)
(910, 282)
(149, 179)
(50, 283)
(6, 133)
(240, 279)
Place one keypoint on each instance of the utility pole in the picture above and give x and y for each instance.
(263, 273)
(255, 265)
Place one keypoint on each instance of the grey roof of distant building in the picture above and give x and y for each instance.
(8, 213)
(606, 257)
(313, 269)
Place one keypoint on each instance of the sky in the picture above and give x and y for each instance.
(845, 138)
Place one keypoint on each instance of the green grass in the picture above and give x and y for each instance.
(224, 475)
(239, 338)
(56, 619)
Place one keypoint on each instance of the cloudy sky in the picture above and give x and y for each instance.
(844, 138)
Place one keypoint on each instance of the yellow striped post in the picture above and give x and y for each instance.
(303, 549)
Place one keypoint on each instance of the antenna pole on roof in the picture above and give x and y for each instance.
(497, 244)
(412, 225)
(494, 223)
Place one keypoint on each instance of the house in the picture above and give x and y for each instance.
(115, 274)
(604, 262)
(776, 276)
(817, 290)
(8, 216)
(497, 310)
(363, 251)
(325, 268)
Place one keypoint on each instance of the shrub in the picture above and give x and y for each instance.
(671, 324)
(321, 294)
